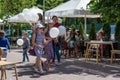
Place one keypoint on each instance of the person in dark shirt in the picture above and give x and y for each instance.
(55, 20)
(56, 42)
(4, 43)
(56, 48)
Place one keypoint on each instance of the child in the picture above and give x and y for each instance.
(26, 45)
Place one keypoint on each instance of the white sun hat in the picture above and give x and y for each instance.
(39, 25)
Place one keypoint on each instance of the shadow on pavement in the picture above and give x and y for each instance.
(76, 67)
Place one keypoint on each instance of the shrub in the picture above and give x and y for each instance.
(92, 33)
(117, 31)
(106, 29)
(81, 29)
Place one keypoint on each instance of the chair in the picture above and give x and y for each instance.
(113, 52)
(1, 59)
(92, 48)
(3, 71)
(0, 52)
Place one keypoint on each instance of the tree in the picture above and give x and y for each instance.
(109, 9)
(106, 29)
(117, 34)
(49, 4)
(92, 34)
(12, 7)
(117, 31)
(81, 29)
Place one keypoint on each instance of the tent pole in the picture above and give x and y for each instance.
(44, 11)
(85, 22)
(9, 29)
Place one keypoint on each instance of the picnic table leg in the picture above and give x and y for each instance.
(3, 73)
(97, 56)
(111, 58)
(86, 53)
(16, 72)
(112, 54)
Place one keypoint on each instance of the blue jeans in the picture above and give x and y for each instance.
(25, 55)
(56, 52)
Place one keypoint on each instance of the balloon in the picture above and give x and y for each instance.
(62, 30)
(59, 20)
(28, 17)
(26, 10)
(34, 17)
(54, 32)
(21, 17)
(20, 42)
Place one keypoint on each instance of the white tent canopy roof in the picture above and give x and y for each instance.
(72, 8)
(27, 15)
(1, 22)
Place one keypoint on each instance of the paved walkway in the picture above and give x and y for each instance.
(71, 69)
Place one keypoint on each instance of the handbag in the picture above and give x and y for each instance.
(32, 52)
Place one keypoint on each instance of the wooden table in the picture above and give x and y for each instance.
(3, 65)
(3, 59)
(97, 48)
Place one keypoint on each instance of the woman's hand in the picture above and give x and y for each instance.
(40, 46)
(55, 40)
(47, 41)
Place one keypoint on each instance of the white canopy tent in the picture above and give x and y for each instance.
(27, 15)
(1, 23)
(72, 8)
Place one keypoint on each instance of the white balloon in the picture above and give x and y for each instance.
(27, 17)
(54, 32)
(36, 10)
(34, 17)
(59, 20)
(21, 17)
(26, 10)
(62, 30)
(20, 42)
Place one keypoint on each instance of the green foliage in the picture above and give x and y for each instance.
(92, 34)
(117, 31)
(49, 4)
(12, 7)
(81, 29)
(73, 26)
(106, 29)
(109, 9)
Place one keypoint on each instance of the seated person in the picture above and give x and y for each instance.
(100, 37)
